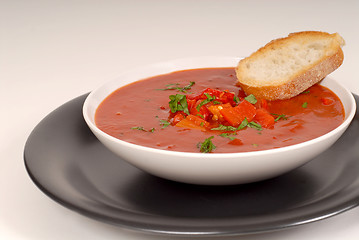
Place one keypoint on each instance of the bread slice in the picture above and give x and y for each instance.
(288, 66)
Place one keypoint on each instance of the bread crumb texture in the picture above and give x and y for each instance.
(287, 66)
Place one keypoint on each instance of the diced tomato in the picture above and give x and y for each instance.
(236, 141)
(215, 110)
(241, 94)
(203, 111)
(247, 109)
(261, 103)
(236, 115)
(264, 104)
(221, 96)
(197, 120)
(231, 115)
(200, 96)
(227, 97)
(191, 103)
(227, 105)
(327, 101)
(213, 92)
(264, 118)
(177, 118)
(193, 122)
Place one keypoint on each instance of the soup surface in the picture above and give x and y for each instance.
(202, 110)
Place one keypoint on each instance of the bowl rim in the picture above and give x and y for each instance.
(213, 155)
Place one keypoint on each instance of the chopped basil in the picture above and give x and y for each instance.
(306, 92)
(206, 146)
(279, 117)
(200, 115)
(178, 103)
(251, 98)
(255, 125)
(142, 129)
(305, 105)
(205, 101)
(224, 128)
(227, 135)
(243, 124)
(236, 99)
(138, 128)
(164, 123)
(176, 87)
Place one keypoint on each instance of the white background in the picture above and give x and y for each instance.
(54, 51)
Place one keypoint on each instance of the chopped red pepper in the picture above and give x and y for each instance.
(236, 141)
(264, 118)
(236, 115)
(192, 121)
(203, 111)
(178, 117)
(221, 96)
(191, 103)
(264, 104)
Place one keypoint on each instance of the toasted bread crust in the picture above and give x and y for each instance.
(298, 81)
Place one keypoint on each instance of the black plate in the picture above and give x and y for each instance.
(70, 165)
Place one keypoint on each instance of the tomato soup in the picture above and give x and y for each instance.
(203, 110)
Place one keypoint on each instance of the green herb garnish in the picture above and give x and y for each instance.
(251, 98)
(206, 146)
(205, 101)
(243, 124)
(227, 135)
(138, 128)
(305, 105)
(236, 99)
(164, 123)
(279, 117)
(178, 103)
(224, 128)
(142, 129)
(255, 125)
(200, 115)
(176, 87)
(221, 127)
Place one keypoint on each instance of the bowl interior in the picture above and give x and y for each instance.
(97, 96)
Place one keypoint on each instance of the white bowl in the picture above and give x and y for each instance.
(213, 168)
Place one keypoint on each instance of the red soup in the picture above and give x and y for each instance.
(202, 110)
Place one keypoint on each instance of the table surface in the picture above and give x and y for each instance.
(54, 51)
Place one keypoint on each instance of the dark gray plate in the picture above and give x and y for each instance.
(68, 163)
